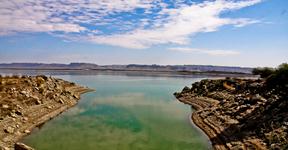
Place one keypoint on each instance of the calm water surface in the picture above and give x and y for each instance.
(124, 113)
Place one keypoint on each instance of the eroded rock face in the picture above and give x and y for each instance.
(240, 113)
(26, 102)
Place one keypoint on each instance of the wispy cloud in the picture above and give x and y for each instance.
(181, 23)
(204, 51)
(60, 16)
(135, 24)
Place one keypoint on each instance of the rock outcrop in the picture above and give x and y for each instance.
(26, 102)
(240, 113)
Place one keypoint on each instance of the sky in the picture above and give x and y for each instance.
(246, 33)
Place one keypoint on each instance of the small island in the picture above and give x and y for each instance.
(27, 102)
(242, 113)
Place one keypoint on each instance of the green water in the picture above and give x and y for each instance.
(125, 113)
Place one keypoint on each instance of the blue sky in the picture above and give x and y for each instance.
(221, 32)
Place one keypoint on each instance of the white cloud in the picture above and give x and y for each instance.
(85, 20)
(182, 23)
(64, 16)
(204, 51)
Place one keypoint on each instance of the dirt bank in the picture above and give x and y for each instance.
(27, 102)
(239, 113)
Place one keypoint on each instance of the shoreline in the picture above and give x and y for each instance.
(238, 113)
(20, 122)
(205, 136)
(211, 130)
(205, 128)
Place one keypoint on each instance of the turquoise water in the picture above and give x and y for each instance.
(124, 113)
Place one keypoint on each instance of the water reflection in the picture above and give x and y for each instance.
(125, 113)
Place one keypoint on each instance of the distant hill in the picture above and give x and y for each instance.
(49, 66)
(130, 67)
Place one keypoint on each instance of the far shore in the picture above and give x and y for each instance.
(140, 71)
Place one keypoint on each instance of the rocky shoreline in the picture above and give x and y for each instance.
(27, 102)
(239, 113)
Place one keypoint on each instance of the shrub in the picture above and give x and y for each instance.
(279, 77)
(263, 72)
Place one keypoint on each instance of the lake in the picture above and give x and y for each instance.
(126, 112)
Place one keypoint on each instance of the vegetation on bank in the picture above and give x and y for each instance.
(275, 77)
(265, 72)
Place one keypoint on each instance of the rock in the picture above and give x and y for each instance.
(18, 106)
(27, 131)
(257, 98)
(76, 96)
(13, 115)
(38, 101)
(18, 112)
(61, 101)
(25, 119)
(4, 148)
(246, 105)
(5, 106)
(228, 87)
(24, 93)
(18, 109)
(254, 85)
(18, 133)
(9, 130)
(22, 146)
(41, 90)
(49, 107)
(43, 77)
(177, 94)
(186, 89)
